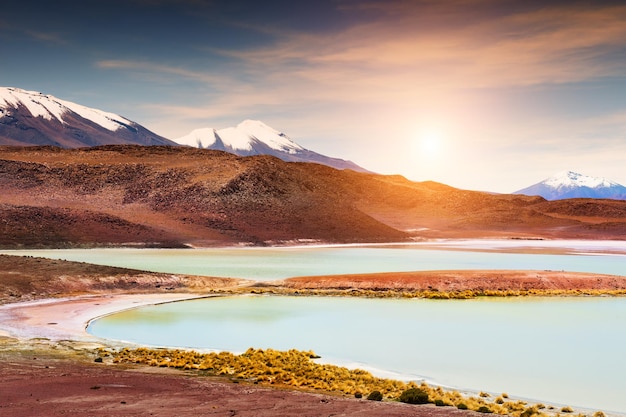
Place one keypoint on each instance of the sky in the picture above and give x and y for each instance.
(492, 95)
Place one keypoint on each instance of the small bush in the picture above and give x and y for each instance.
(599, 414)
(414, 396)
(375, 396)
(484, 409)
(567, 409)
(358, 395)
(461, 406)
(441, 403)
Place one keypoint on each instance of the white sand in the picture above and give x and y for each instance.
(67, 318)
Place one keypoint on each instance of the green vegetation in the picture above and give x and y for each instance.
(414, 396)
(375, 396)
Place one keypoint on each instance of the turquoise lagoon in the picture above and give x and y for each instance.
(567, 351)
(264, 264)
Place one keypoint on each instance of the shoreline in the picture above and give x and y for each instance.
(67, 318)
(486, 244)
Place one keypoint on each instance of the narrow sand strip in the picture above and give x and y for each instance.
(67, 318)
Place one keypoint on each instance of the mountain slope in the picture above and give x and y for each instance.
(32, 118)
(172, 196)
(252, 137)
(568, 184)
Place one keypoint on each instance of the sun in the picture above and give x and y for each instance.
(429, 143)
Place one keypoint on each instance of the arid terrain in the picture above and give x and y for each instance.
(175, 196)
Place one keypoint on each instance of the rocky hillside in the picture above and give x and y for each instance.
(172, 196)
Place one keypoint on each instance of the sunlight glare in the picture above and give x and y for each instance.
(430, 143)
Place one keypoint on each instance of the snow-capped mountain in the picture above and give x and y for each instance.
(32, 118)
(252, 137)
(568, 184)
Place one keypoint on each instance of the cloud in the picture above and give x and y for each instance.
(47, 37)
(419, 50)
(548, 45)
(148, 67)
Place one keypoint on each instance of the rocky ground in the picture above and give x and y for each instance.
(173, 196)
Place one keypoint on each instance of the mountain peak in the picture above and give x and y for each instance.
(570, 184)
(52, 108)
(571, 178)
(253, 137)
(33, 118)
(271, 137)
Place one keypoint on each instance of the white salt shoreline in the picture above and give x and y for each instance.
(67, 318)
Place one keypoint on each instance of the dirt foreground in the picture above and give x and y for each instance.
(48, 386)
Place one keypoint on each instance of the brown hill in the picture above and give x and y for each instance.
(172, 196)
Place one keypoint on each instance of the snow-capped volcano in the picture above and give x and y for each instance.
(253, 137)
(568, 184)
(33, 118)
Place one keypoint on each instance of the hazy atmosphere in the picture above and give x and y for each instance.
(489, 95)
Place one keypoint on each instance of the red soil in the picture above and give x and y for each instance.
(37, 386)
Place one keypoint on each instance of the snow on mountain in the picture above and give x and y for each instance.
(199, 138)
(568, 184)
(271, 137)
(253, 137)
(50, 107)
(33, 118)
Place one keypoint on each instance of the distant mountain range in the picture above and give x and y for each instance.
(568, 184)
(32, 118)
(253, 137)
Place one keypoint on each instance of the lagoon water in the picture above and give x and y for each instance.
(557, 350)
(276, 263)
